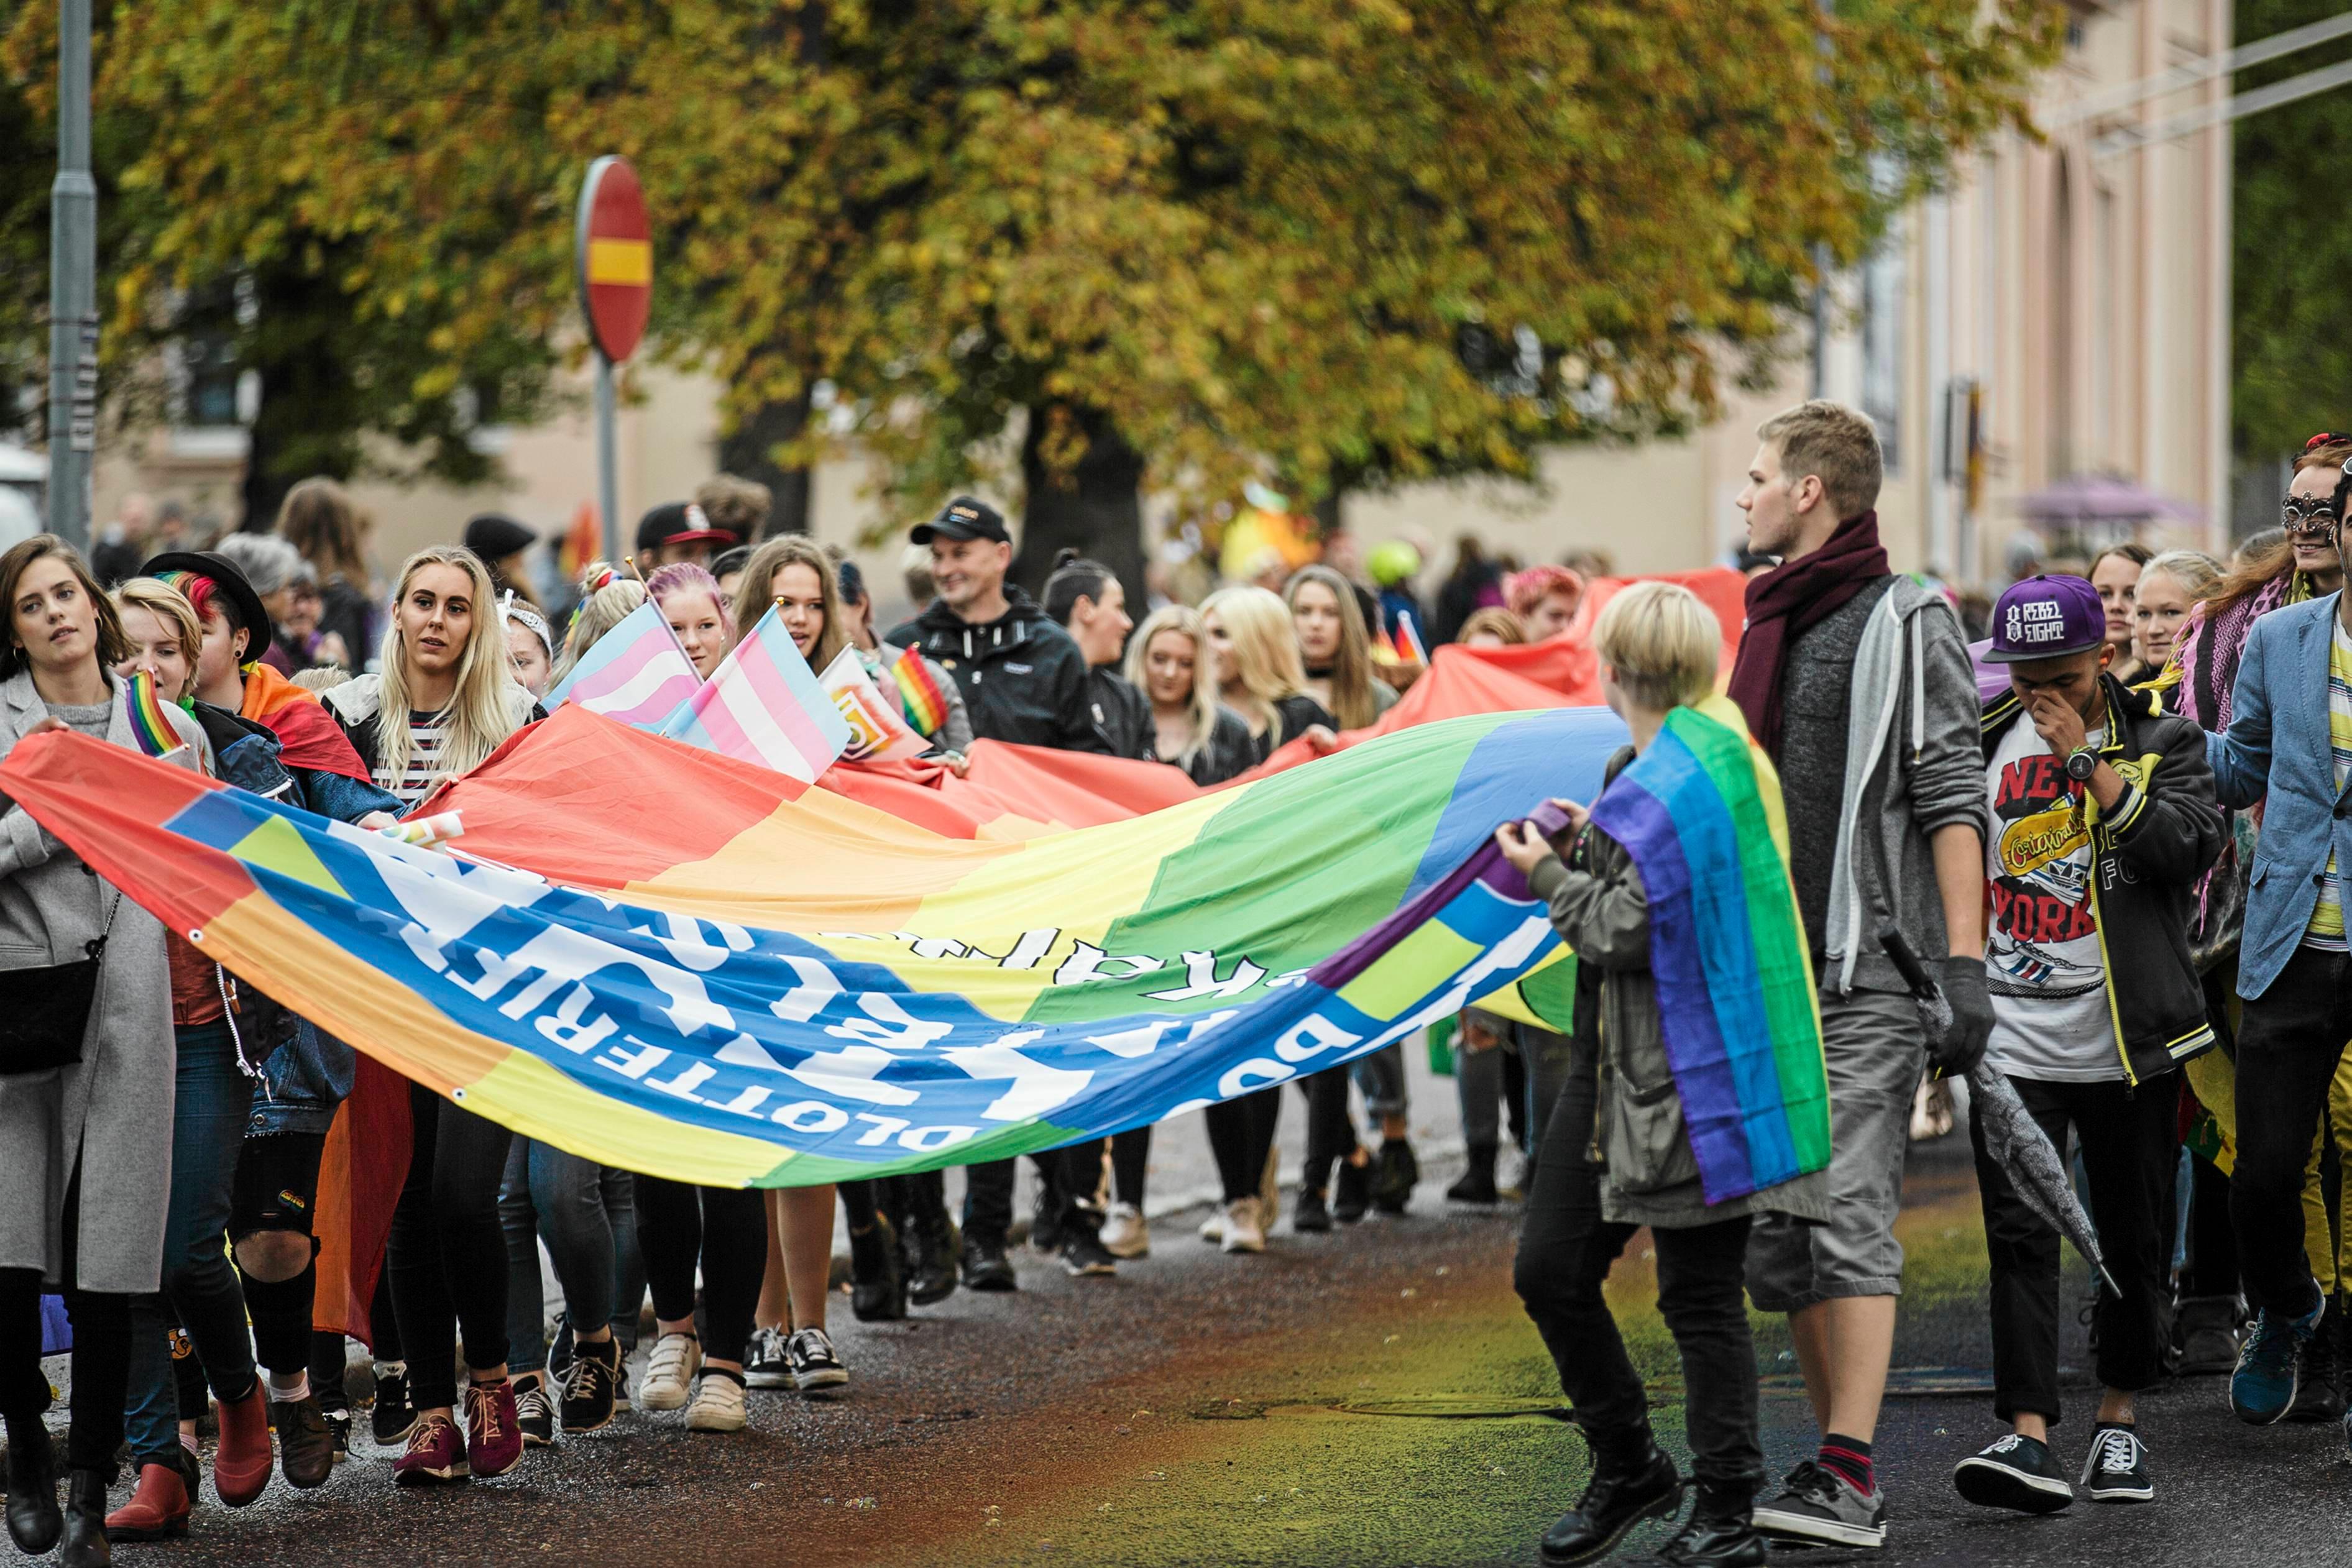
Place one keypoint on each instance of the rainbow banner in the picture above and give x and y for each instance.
(677, 963)
(1700, 814)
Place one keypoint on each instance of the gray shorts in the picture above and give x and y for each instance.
(1875, 1050)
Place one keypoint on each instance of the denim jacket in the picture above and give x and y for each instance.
(301, 1073)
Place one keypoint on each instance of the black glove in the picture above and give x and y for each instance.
(1963, 1045)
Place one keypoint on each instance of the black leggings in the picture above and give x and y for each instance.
(1330, 1135)
(1241, 1135)
(101, 1351)
(723, 1228)
(1130, 1157)
(278, 1189)
(449, 1259)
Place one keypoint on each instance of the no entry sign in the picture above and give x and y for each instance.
(616, 258)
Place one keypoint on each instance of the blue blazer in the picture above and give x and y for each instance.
(2277, 746)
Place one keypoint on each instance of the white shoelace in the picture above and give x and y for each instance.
(2117, 1449)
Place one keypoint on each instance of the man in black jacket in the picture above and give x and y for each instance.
(2103, 817)
(1023, 680)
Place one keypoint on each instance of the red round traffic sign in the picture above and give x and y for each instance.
(615, 258)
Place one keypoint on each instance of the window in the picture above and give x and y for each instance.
(1884, 305)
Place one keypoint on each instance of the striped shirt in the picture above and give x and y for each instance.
(423, 771)
(2326, 928)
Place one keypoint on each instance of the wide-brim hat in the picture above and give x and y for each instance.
(248, 607)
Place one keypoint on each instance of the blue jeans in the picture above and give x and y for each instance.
(587, 1214)
(1380, 1076)
(210, 1107)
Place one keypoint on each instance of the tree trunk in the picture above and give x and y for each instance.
(1096, 506)
(749, 453)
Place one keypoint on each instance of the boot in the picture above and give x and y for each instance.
(241, 1463)
(1626, 1489)
(158, 1508)
(34, 1521)
(84, 1543)
(1353, 1196)
(1477, 1183)
(1311, 1216)
(931, 1248)
(1721, 1532)
(2320, 1398)
(878, 1291)
(1398, 1170)
(2205, 1329)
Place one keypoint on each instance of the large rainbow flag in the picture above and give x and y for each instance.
(674, 962)
(1701, 815)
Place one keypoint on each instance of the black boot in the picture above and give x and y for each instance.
(84, 1545)
(1477, 1183)
(1354, 1192)
(928, 1249)
(1311, 1215)
(878, 1288)
(34, 1521)
(2320, 1398)
(1624, 1491)
(1397, 1171)
(1721, 1532)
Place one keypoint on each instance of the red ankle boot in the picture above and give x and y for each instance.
(241, 1465)
(158, 1508)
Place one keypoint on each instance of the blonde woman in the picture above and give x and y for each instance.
(1167, 661)
(163, 634)
(444, 699)
(607, 598)
(1335, 649)
(1257, 670)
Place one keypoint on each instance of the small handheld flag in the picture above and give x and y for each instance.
(876, 732)
(151, 727)
(925, 705)
(764, 704)
(1409, 649)
(636, 673)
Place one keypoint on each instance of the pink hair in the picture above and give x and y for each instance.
(686, 576)
(1522, 591)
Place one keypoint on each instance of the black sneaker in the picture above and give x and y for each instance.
(2320, 1396)
(1083, 1253)
(1311, 1215)
(1351, 1197)
(534, 1412)
(338, 1417)
(1045, 1229)
(2016, 1473)
(2116, 1468)
(393, 1415)
(592, 1386)
(985, 1266)
(816, 1365)
(1396, 1172)
(767, 1365)
(1818, 1507)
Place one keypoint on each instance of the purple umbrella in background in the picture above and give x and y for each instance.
(2103, 498)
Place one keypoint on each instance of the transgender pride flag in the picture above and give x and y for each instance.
(637, 674)
(764, 705)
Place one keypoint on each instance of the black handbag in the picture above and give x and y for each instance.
(45, 1012)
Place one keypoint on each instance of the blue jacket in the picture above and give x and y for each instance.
(2277, 746)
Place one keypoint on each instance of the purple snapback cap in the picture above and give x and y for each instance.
(2046, 617)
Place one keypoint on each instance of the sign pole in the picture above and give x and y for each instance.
(614, 250)
(73, 287)
(608, 505)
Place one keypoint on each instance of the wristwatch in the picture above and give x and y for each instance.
(2081, 763)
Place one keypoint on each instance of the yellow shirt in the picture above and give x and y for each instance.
(2326, 927)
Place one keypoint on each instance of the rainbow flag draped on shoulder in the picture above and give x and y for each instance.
(1700, 814)
(670, 961)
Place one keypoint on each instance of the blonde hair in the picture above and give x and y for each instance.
(1265, 653)
(1837, 444)
(1663, 642)
(169, 605)
(321, 678)
(1202, 705)
(2193, 569)
(1352, 702)
(483, 711)
(756, 593)
(601, 610)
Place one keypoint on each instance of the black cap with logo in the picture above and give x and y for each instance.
(964, 518)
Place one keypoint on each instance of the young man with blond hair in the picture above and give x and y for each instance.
(1857, 683)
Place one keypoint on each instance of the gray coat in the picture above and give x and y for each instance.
(1648, 1175)
(113, 1110)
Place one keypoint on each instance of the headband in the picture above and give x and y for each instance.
(530, 620)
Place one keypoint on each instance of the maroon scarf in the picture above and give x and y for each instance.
(1787, 602)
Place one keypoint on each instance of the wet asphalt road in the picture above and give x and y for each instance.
(1281, 1410)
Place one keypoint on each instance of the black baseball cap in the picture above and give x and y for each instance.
(494, 536)
(679, 523)
(964, 518)
(244, 605)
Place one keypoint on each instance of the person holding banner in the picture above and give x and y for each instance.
(1167, 660)
(697, 613)
(1085, 599)
(607, 598)
(1644, 1140)
(444, 699)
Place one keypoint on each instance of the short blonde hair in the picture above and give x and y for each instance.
(1833, 442)
(1663, 642)
(171, 607)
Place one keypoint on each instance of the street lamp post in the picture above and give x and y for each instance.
(73, 286)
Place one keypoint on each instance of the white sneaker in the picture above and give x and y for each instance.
(717, 1405)
(1212, 1229)
(1511, 1172)
(669, 1372)
(1244, 1232)
(1125, 1233)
